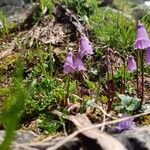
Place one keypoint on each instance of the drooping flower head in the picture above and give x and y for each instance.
(142, 40)
(125, 125)
(148, 56)
(78, 64)
(69, 65)
(131, 66)
(85, 47)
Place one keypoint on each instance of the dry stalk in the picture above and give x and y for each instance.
(74, 134)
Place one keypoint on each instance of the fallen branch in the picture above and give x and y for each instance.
(96, 138)
(67, 139)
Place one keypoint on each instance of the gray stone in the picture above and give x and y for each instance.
(141, 11)
(140, 133)
(17, 3)
(21, 136)
(137, 1)
(19, 15)
(9, 6)
(16, 11)
(25, 136)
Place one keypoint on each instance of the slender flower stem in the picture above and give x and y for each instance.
(76, 77)
(142, 83)
(113, 89)
(107, 59)
(107, 64)
(68, 84)
(137, 79)
(98, 89)
(121, 86)
(97, 92)
(124, 73)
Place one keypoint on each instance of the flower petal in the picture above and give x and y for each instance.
(69, 64)
(142, 40)
(131, 64)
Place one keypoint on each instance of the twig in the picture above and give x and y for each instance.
(104, 120)
(64, 127)
(25, 148)
(103, 111)
(39, 144)
(92, 127)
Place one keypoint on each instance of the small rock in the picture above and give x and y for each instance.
(141, 11)
(21, 136)
(9, 6)
(17, 11)
(2, 134)
(137, 2)
(140, 133)
(25, 136)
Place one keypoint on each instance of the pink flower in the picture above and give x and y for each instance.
(78, 64)
(85, 47)
(131, 64)
(69, 65)
(142, 40)
(148, 56)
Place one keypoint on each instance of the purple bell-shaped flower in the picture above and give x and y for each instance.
(148, 56)
(69, 64)
(142, 40)
(125, 125)
(78, 64)
(131, 64)
(85, 47)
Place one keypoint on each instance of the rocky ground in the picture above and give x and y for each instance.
(135, 139)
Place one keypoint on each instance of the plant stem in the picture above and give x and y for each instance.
(68, 84)
(137, 72)
(108, 96)
(112, 90)
(124, 77)
(142, 83)
(76, 77)
(98, 89)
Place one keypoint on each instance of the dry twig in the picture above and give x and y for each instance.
(103, 111)
(58, 145)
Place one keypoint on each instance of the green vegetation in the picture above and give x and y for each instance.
(13, 107)
(40, 86)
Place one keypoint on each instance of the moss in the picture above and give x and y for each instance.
(9, 61)
(145, 120)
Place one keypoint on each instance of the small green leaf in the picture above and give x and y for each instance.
(119, 108)
(104, 99)
(133, 105)
(129, 103)
(90, 84)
